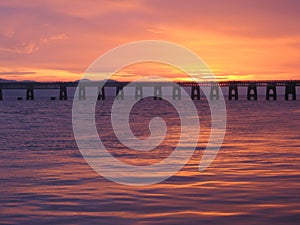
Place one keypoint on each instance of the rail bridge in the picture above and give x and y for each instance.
(233, 94)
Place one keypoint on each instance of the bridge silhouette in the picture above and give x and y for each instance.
(233, 93)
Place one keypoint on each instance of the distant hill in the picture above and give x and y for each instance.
(5, 81)
(87, 80)
(83, 80)
(32, 81)
(28, 81)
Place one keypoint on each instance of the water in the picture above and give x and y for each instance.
(255, 178)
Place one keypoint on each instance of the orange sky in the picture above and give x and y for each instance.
(57, 40)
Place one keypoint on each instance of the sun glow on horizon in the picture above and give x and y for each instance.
(58, 40)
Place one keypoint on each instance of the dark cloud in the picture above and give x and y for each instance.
(17, 73)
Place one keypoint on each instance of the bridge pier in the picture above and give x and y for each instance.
(271, 91)
(30, 93)
(233, 92)
(138, 92)
(176, 93)
(252, 92)
(290, 89)
(101, 93)
(195, 93)
(157, 93)
(214, 92)
(1, 96)
(119, 92)
(82, 94)
(63, 95)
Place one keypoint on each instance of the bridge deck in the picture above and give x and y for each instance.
(57, 85)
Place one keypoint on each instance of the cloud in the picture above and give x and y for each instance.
(20, 48)
(247, 18)
(17, 73)
(229, 35)
(8, 43)
(58, 37)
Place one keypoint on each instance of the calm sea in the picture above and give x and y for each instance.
(255, 178)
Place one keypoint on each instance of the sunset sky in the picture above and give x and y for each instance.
(239, 39)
